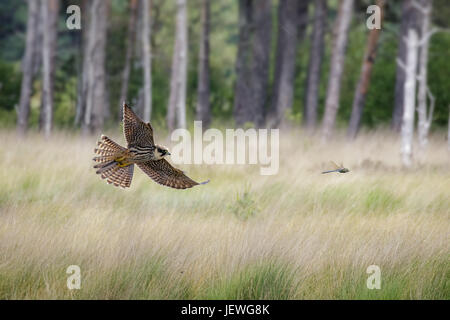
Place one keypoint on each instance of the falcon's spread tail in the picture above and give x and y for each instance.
(111, 164)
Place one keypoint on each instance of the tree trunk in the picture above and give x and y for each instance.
(176, 113)
(410, 19)
(292, 16)
(242, 96)
(400, 73)
(409, 97)
(129, 54)
(95, 67)
(315, 61)
(82, 82)
(49, 15)
(448, 129)
(262, 13)
(203, 112)
(100, 106)
(424, 115)
(79, 64)
(337, 67)
(146, 57)
(364, 78)
(28, 63)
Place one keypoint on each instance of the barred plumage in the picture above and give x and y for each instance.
(108, 167)
(116, 163)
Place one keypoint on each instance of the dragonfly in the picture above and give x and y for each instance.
(337, 168)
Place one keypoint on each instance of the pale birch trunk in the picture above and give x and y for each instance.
(409, 97)
(95, 64)
(203, 111)
(100, 108)
(315, 62)
(337, 67)
(146, 57)
(28, 62)
(88, 65)
(176, 113)
(83, 75)
(410, 18)
(181, 105)
(49, 16)
(129, 54)
(397, 113)
(424, 113)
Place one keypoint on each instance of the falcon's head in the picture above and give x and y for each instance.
(161, 152)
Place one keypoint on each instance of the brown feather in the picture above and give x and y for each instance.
(108, 168)
(137, 132)
(163, 173)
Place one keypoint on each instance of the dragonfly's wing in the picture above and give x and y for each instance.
(335, 166)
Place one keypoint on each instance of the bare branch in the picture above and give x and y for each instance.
(401, 64)
(423, 9)
(426, 37)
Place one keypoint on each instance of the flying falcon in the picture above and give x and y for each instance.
(116, 163)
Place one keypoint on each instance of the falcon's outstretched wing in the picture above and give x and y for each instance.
(163, 173)
(137, 132)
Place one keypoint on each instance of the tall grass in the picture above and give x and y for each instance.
(295, 235)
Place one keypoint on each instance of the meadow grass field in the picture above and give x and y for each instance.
(295, 235)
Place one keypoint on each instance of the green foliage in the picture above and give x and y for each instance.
(65, 100)
(397, 282)
(335, 196)
(294, 117)
(148, 279)
(381, 200)
(357, 38)
(438, 76)
(223, 49)
(382, 84)
(312, 237)
(244, 206)
(9, 92)
(266, 280)
(13, 17)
